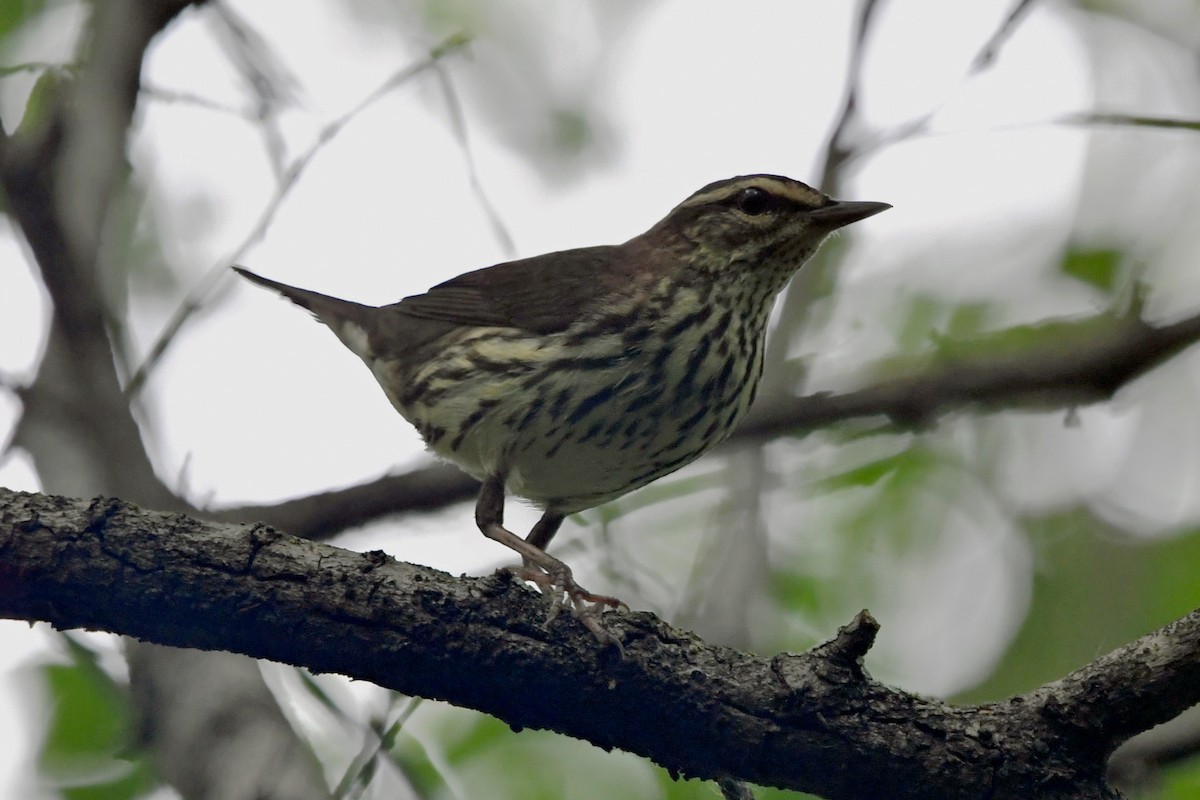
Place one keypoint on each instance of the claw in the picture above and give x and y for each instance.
(560, 586)
(552, 577)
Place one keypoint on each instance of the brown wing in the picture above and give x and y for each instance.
(543, 294)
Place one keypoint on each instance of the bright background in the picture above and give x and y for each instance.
(973, 542)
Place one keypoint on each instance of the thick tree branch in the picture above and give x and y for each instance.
(814, 722)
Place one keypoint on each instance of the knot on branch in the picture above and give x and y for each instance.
(852, 643)
(835, 665)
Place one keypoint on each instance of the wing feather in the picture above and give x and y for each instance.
(543, 294)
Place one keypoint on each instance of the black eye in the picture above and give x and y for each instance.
(753, 201)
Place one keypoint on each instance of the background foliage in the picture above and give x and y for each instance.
(1000, 550)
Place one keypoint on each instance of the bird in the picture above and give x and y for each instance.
(574, 377)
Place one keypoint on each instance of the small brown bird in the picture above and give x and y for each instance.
(575, 377)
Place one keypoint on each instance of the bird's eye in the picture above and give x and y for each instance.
(753, 201)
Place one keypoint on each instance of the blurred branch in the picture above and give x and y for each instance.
(165, 95)
(64, 174)
(1058, 365)
(1088, 118)
(324, 515)
(458, 125)
(838, 148)
(61, 170)
(991, 48)
(814, 282)
(984, 58)
(814, 722)
(918, 128)
(199, 295)
(1070, 364)
(28, 66)
(839, 151)
(848, 141)
(271, 83)
(1137, 764)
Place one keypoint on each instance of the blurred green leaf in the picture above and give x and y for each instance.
(921, 319)
(967, 319)
(864, 474)
(571, 130)
(929, 319)
(16, 13)
(86, 749)
(1181, 781)
(39, 108)
(486, 732)
(1094, 589)
(319, 694)
(795, 593)
(1097, 268)
(414, 761)
(671, 487)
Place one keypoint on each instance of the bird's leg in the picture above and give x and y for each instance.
(552, 575)
(539, 537)
(544, 530)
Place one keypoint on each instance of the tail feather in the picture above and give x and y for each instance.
(350, 321)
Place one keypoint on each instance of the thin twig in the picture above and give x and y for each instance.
(991, 48)
(200, 293)
(836, 148)
(984, 58)
(917, 129)
(165, 95)
(1087, 118)
(270, 81)
(459, 127)
(359, 772)
(28, 66)
(811, 283)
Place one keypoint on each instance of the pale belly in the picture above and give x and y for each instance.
(570, 434)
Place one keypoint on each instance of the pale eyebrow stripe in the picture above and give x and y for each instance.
(800, 194)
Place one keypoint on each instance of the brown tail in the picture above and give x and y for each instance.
(347, 319)
(326, 308)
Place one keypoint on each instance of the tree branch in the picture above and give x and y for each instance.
(813, 722)
(1060, 365)
(326, 514)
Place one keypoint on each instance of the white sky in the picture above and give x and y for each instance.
(255, 402)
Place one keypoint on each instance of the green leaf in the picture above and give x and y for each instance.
(41, 103)
(86, 749)
(795, 592)
(1095, 589)
(671, 487)
(912, 464)
(1097, 268)
(1180, 782)
(968, 319)
(923, 314)
(16, 13)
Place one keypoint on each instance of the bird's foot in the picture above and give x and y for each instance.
(559, 585)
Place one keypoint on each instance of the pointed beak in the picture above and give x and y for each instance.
(840, 213)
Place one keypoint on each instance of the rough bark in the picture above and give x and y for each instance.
(814, 722)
